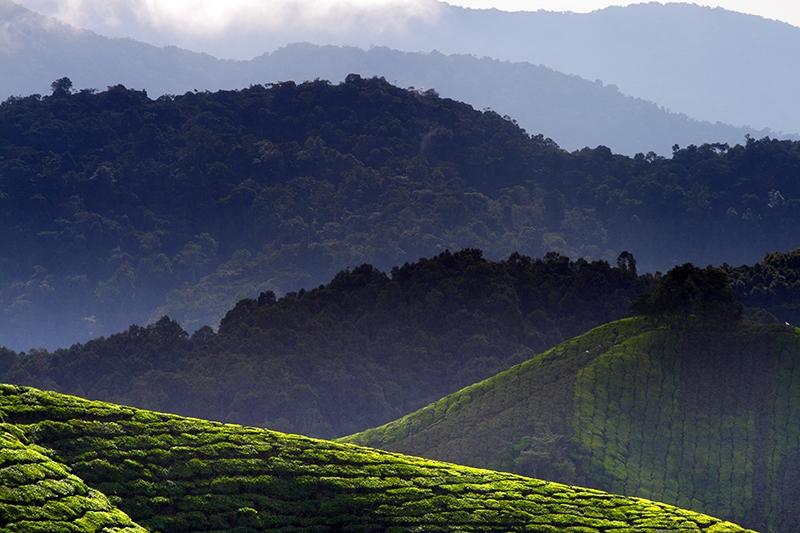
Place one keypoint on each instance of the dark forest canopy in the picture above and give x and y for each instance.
(688, 294)
(116, 208)
(370, 346)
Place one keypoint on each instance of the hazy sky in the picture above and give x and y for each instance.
(785, 10)
(245, 28)
(113, 16)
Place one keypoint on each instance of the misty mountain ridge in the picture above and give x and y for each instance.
(35, 48)
(710, 63)
(569, 109)
(573, 111)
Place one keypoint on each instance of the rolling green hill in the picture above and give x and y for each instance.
(179, 474)
(707, 419)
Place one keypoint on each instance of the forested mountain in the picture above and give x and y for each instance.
(114, 204)
(574, 112)
(179, 475)
(691, 405)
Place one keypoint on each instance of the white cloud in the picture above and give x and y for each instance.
(245, 28)
(204, 17)
(6, 41)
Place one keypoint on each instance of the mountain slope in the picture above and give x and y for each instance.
(572, 111)
(706, 419)
(39, 495)
(177, 474)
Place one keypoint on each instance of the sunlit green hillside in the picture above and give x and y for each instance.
(703, 418)
(39, 495)
(179, 474)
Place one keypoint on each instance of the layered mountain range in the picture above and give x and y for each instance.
(122, 208)
(573, 111)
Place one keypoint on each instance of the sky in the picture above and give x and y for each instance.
(785, 10)
(206, 13)
(244, 28)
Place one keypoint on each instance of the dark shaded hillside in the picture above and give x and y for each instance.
(114, 205)
(179, 475)
(359, 351)
(702, 418)
(773, 285)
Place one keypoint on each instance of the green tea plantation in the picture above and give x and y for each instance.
(175, 474)
(37, 494)
(703, 418)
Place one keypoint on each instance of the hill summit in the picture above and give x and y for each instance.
(705, 417)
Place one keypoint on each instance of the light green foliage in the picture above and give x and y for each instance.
(703, 419)
(501, 422)
(178, 474)
(37, 494)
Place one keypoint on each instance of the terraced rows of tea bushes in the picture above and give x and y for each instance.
(178, 474)
(519, 420)
(39, 495)
(709, 422)
(705, 420)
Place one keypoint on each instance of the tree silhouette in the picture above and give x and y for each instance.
(688, 291)
(62, 87)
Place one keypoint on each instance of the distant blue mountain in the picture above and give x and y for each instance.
(712, 64)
